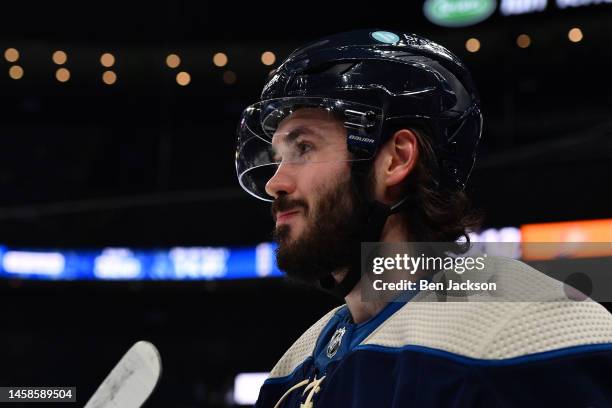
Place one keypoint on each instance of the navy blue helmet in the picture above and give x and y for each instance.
(376, 82)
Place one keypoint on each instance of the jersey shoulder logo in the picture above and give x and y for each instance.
(335, 342)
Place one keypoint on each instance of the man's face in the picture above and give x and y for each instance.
(315, 205)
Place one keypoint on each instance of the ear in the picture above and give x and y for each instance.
(396, 159)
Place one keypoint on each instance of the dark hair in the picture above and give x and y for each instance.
(434, 212)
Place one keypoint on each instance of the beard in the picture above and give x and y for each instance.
(330, 239)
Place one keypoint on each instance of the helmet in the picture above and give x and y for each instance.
(375, 82)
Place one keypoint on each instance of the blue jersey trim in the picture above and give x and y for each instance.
(355, 333)
(545, 355)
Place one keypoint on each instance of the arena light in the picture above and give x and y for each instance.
(117, 263)
(264, 259)
(575, 35)
(246, 387)
(16, 72)
(229, 77)
(570, 231)
(220, 59)
(506, 234)
(109, 77)
(199, 262)
(11, 55)
(523, 41)
(458, 13)
(173, 61)
(504, 242)
(514, 7)
(573, 239)
(268, 58)
(472, 45)
(62, 75)
(33, 263)
(183, 78)
(107, 60)
(579, 3)
(59, 57)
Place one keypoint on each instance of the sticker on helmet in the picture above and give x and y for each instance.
(385, 37)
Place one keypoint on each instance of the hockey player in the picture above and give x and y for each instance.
(370, 136)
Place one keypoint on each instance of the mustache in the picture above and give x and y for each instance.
(283, 203)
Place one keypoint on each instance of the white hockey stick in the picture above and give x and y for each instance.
(131, 381)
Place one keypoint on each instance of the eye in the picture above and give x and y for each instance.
(304, 147)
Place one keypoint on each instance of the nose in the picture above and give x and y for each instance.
(282, 182)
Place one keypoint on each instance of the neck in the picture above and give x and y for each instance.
(361, 311)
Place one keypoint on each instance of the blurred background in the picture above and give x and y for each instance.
(120, 214)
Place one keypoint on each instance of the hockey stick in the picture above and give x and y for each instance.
(131, 381)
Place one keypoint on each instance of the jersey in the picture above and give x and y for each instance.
(472, 352)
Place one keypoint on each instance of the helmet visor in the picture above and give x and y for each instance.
(299, 131)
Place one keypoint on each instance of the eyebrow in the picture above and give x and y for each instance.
(298, 131)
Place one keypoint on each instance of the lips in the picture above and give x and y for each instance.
(285, 215)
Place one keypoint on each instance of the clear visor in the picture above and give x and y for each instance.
(300, 131)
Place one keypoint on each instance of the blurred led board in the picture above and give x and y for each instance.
(179, 263)
(573, 239)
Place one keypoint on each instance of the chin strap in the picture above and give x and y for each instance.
(375, 222)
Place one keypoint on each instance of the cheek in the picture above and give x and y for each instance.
(321, 177)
